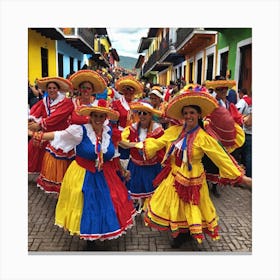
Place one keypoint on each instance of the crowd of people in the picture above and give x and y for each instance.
(113, 147)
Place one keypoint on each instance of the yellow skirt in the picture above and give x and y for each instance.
(166, 211)
(69, 207)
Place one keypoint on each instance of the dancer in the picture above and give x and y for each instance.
(181, 202)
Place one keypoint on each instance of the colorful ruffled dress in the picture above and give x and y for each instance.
(122, 106)
(93, 201)
(52, 163)
(181, 202)
(142, 171)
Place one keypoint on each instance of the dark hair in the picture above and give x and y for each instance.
(219, 78)
(198, 109)
(244, 91)
(53, 83)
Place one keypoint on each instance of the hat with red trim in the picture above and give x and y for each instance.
(144, 106)
(130, 81)
(198, 96)
(100, 106)
(91, 76)
(64, 84)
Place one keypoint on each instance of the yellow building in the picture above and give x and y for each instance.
(41, 56)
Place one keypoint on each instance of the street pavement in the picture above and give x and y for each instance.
(234, 209)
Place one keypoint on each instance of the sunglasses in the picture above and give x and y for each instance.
(142, 113)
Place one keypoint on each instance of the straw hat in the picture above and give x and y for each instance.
(100, 106)
(144, 106)
(156, 92)
(91, 76)
(129, 81)
(220, 83)
(201, 98)
(64, 84)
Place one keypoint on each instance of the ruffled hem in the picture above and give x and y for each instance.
(140, 195)
(197, 231)
(107, 236)
(48, 186)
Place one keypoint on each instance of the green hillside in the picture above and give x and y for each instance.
(127, 62)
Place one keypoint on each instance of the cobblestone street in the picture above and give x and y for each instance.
(233, 207)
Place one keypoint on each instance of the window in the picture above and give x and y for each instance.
(210, 61)
(199, 70)
(44, 62)
(60, 65)
(191, 72)
(224, 64)
(71, 64)
(79, 64)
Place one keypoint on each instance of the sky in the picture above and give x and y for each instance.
(126, 40)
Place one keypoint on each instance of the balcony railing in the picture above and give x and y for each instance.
(151, 61)
(182, 34)
(164, 45)
(85, 34)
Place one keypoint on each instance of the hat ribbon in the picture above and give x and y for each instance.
(186, 151)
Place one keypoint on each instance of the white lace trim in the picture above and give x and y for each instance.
(124, 103)
(59, 98)
(72, 136)
(105, 137)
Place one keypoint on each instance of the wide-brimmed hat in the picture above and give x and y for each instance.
(144, 106)
(201, 98)
(156, 92)
(91, 76)
(64, 84)
(129, 81)
(100, 106)
(220, 83)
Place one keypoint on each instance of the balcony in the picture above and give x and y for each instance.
(196, 41)
(80, 38)
(51, 33)
(182, 34)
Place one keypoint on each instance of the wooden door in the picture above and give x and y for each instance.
(245, 79)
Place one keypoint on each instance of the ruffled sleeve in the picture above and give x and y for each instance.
(229, 170)
(68, 139)
(152, 145)
(239, 138)
(125, 134)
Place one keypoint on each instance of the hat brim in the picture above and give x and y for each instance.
(64, 84)
(129, 81)
(99, 84)
(205, 101)
(139, 107)
(87, 110)
(220, 83)
(156, 93)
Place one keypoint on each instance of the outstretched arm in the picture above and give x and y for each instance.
(40, 136)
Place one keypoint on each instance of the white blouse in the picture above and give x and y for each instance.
(72, 136)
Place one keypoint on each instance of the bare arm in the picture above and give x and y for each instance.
(47, 136)
(127, 145)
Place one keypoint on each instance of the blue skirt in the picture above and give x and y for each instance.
(141, 183)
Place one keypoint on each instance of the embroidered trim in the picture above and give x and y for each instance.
(188, 189)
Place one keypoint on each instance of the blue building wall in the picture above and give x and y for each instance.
(67, 51)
